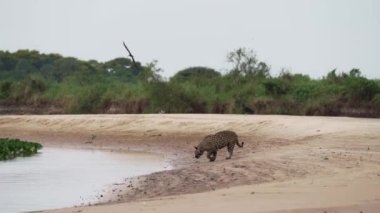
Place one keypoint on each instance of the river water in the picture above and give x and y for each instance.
(57, 178)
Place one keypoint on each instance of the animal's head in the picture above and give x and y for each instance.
(197, 153)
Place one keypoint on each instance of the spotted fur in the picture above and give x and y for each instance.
(212, 143)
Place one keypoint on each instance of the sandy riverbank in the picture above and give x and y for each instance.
(289, 163)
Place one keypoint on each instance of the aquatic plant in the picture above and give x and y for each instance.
(12, 148)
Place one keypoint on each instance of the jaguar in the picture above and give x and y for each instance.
(212, 143)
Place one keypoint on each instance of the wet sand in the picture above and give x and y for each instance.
(288, 163)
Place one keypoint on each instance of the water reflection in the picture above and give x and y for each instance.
(58, 178)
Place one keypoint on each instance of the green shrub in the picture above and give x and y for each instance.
(29, 90)
(276, 86)
(359, 88)
(172, 98)
(5, 89)
(304, 92)
(376, 99)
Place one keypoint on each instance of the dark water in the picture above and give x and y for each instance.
(57, 178)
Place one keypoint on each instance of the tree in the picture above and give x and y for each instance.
(150, 73)
(332, 77)
(246, 63)
(122, 69)
(64, 67)
(195, 73)
(23, 68)
(355, 72)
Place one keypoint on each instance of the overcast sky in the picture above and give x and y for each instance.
(305, 36)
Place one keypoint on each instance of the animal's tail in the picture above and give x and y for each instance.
(240, 145)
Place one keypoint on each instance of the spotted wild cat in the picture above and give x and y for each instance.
(212, 143)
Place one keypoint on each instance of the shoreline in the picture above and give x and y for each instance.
(278, 151)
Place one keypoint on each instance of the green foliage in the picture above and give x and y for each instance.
(246, 63)
(359, 88)
(174, 98)
(28, 90)
(5, 89)
(87, 99)
(195, 74)
(12, 148)
(116, 86)
(122, 69)
(352, 87)
(376, 99)
(276, 86)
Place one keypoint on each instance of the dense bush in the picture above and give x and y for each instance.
(5, 89)
(41, 80)
(12, 148)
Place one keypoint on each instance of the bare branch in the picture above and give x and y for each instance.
(130, 55)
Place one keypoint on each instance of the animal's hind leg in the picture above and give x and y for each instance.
(230, 151)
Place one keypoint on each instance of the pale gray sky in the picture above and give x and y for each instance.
(305, 36)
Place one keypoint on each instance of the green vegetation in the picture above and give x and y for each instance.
(12, 148)
(28, 78)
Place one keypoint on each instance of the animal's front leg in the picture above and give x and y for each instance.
(211, 156)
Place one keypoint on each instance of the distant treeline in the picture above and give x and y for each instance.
(31, 82)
